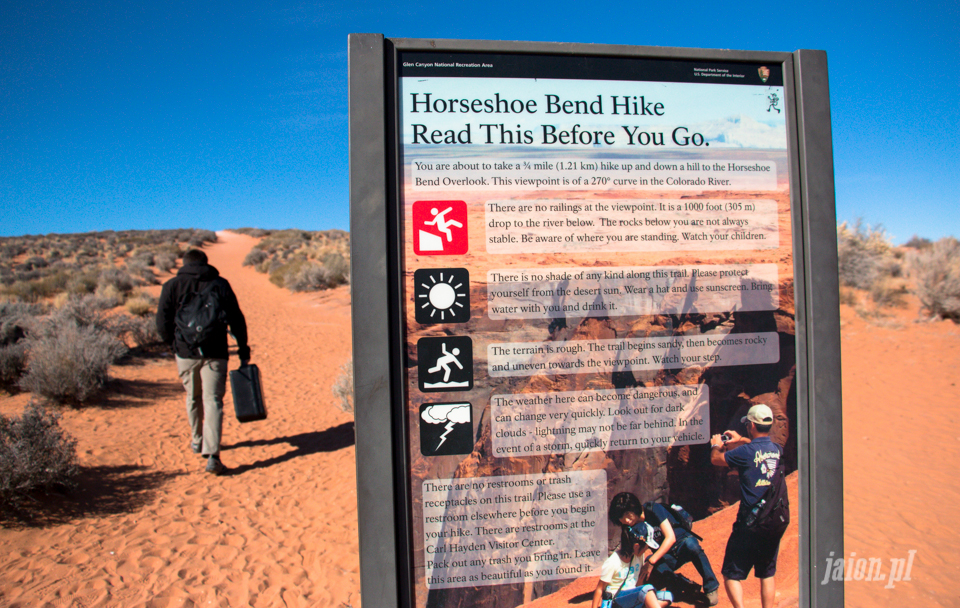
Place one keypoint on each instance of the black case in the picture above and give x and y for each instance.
(247, 393)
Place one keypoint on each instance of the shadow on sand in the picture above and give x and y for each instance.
(101, 491)
(123, 393)
(304, 444)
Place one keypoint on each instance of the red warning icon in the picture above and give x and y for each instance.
(440, 228)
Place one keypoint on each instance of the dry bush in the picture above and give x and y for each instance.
(303, 261)
(139, 333)
(35, 454)
(865, 255)
(254, 232)
(116, 278)
(13, 362)
(255, 257)
(165, 261)
(69, 362)
(343, 387)
(140, 305)
(936, 271)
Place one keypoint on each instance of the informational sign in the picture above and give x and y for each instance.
(598, 276)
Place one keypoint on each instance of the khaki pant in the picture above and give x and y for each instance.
(206, 382)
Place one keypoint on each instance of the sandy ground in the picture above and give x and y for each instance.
(149, 528)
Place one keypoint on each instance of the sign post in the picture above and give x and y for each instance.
(573, 266)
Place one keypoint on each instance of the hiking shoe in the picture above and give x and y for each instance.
(215, 467)
(196, 447)
(713, 597)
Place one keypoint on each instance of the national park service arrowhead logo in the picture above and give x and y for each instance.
(764, 72)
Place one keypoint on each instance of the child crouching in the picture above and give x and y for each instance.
(621, 585)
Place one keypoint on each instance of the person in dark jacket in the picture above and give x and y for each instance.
(203, 369)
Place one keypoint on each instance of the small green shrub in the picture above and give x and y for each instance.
(35, 454)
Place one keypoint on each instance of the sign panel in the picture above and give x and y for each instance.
(598, 276)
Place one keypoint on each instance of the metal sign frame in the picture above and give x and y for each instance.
(378, 333)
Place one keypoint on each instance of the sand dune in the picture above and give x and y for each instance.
(149, 528)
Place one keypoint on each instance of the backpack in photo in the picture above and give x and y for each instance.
(198, 316)
(771, 514)
(679, 518)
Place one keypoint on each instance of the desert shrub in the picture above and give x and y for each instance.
(16, 319)
(139, 332)
(254, 232)
(343, 387)
(69, 362)
(917, 242)
(142, 273)
(165, 261)
(303, 261)
(285, 272)
(143, 257)
(207, 236)
(34, 262)
(936, 271)
(13, 362)
(84, 282)
(35, 454)
(116, 277)
(140, 305)
(865, 255)
(108, 297)
(888, 291)
(255, 257)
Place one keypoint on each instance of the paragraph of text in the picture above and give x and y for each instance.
(636, 354)
(537, 293)
(531, 424)
(594, 174)
(576, 225)
(496, 530)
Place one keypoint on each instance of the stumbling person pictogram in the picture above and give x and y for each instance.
(445, 364)
(440, 228)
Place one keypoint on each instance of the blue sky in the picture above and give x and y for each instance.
(225, 114)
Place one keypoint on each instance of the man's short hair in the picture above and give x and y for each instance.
(762, 428)
(621, 503)
(194, 256)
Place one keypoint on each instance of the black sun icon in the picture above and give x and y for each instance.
(442, 295)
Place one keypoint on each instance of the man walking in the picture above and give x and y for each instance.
(757, 459)
(196, 307)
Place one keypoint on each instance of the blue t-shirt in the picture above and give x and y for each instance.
(756, 462)
(655, 516)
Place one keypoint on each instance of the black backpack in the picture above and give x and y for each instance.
(679, 517)
(771, 514)
(198, 317)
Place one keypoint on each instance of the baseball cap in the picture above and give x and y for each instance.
(759, 414)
